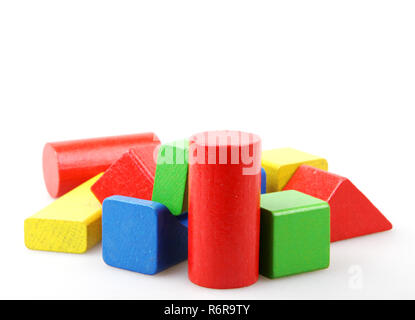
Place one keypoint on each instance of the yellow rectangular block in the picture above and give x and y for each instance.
(280, 165)
(71, 223)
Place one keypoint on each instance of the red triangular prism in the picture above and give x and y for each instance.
(351, 213)
(132, 175)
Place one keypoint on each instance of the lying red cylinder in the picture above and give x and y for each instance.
(67, 164)
(224, 204)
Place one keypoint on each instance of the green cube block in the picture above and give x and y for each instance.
(170, 182)
(295, 234)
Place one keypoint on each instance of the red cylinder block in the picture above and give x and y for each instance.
(67, 164)
(224, 204)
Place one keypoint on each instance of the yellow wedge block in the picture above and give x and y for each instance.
(280, 165)
(71, 223)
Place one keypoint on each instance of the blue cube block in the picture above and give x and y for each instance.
(141, 235)
(263, 181)
(183, 219)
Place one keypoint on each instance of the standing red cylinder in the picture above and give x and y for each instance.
(67, 164)
(224, 209)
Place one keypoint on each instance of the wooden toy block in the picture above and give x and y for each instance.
(263, 181)
(170, 182)
(132, 175)
(141, 235)
(224, 209)
(352, 214)
(295, 234)
(280, 165)
(184, 219)
(70, 224)
(67, 164)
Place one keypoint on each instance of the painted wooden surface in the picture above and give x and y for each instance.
(170, 182)
(67, 164)
(141, 235)
(352, 214)
(280, 165)
(70, 224)
(132, 175)
(223, 211)
(295, 234)
(263, 181)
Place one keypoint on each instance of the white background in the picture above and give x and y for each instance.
(333, 78)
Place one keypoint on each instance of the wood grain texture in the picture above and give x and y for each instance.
(223, 212)
(67, 164)
(70, 224)
(352, 214)
(170, 181)
(132, 175)
(142, 236)
(295, 234)
(280, 165)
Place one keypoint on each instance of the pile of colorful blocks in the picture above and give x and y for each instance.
(216, 199)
